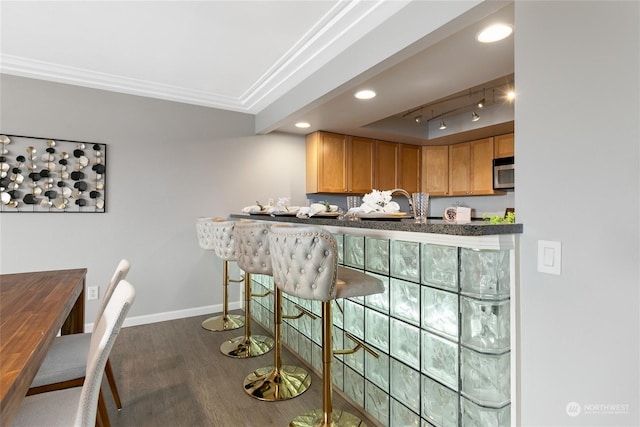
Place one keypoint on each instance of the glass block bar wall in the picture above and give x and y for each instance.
(441, 330)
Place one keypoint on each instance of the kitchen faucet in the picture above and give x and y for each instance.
(407, 195)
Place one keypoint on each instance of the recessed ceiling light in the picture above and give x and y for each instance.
(365, 94)
(302, 125)
(494, 33)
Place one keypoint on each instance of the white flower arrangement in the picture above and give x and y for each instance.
(379, 201)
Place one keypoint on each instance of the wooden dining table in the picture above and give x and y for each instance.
(34, 307)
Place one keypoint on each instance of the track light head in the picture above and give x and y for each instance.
(419, 119)
(475, 117)
(480, 103)
(443, 125)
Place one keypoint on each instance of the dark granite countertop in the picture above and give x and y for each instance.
(475, 228)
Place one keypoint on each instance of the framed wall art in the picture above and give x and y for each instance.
(52, 175)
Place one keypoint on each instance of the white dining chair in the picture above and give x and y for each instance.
(66, 360)
(78, 406)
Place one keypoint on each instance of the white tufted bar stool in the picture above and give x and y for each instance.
(277, 382)
(305, 264)
(216, 234)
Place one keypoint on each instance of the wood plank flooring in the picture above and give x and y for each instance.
(173, 374)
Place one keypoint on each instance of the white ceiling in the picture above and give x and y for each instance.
(279, 60)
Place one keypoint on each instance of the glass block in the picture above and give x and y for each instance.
(440, 359)
(485, 325)
(440, 312)
(354, 385)
(377, 255)
(405, 385)
(377, 403)
(484, 273)
(405, 258)
(377, 370)
(355, 360)
(337, 373)
(338, 340)
(316, 330)
(486, 378)
(290, 337)
(379, 301)
(405, 300)
(340, 242)
(477, 416)
(402, 416)
(440, 266)
(377, 329)
(405, 342)
(439, 404)
(316, 357)
(354, 318)
(304, 348)
(304, 325)
(337, 312)
(354, 251)
(316, 307)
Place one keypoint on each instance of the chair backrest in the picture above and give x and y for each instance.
(224, 244)
(204, 231)
(252, 246)
(121, 272)
(102, 338)
(305, 261)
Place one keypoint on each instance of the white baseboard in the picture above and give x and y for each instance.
(172, 315)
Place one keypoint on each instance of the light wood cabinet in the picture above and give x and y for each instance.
(503, 145)
(360, 165)
(386, 161)
(471, 168)
(409, 170)
(435, 170)
(339, 163)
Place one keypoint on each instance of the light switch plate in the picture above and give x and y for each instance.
(549, 256)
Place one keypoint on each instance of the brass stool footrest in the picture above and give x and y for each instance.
(223, 323)
(262, 295)
(316, 418)
(303, 311)
(240, 280)
(271, 384)
(243, 347)
(359, 345)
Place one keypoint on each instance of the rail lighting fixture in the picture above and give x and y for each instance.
(302, 125)
(480, 103)
(475, 117)
(511, 95)
(365, 94)
(443, 125)
(494, 33)
(419, 119)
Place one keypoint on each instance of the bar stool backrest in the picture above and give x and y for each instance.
(252, 246)
(205, 233)
(305, 261)
(223, 241)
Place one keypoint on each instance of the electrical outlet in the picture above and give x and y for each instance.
(92, 292)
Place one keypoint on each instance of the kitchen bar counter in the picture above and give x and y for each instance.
(475, 228)
(442, 328)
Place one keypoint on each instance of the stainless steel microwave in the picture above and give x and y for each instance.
(504, 173)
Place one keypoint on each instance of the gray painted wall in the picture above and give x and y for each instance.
(167, 164)
(577, 139)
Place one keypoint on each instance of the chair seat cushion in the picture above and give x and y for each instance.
(56, 408)
(66, 360)
(353, 283)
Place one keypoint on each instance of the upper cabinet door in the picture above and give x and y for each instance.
(326, 163)
(386, 171)
(504, 145)
(409, 171)
(435, 170)
(459, 169)
(481, 163)
(360, 170)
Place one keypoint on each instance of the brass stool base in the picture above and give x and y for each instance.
(243, 347)
(315, 419)
(220, 323)
(273, 385)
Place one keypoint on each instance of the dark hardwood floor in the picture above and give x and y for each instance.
(173, 374)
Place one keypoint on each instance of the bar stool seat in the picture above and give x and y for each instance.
(305, 264)
(216, 234)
